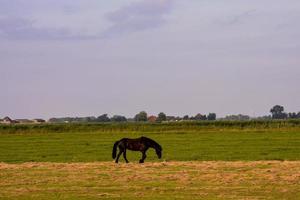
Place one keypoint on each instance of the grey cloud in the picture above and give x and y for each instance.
(238, 18)
(138, 16)
(18, 28)
(18, 19)
(25, 29)
(16, 23)
(24, 7)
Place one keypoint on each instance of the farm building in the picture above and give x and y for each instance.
(39, 121)
(24, 121)
(7, 120)
(152, 119)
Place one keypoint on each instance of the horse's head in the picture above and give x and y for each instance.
(158, 151)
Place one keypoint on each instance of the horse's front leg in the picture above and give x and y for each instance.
(143, 157)
(124, 155)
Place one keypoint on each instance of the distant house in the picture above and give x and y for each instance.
(7, 120)
(38, 121)
(152, 118)
(238, 117)
(171, 118)
(24, 121)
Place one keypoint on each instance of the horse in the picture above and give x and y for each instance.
(141, 144)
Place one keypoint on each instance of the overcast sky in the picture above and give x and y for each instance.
(89, 57)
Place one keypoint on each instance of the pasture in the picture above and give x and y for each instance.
(209, 160)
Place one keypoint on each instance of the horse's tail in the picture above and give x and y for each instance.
(114, 152)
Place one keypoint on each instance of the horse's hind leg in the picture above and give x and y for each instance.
(124, 155)
(118, 156)
(143, 157)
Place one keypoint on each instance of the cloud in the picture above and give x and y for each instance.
(19, 28)
(29, 20)
(25, 29)
(20, 20)
(237, 19)
(138, 16)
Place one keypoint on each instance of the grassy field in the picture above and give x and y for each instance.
(225, 145)
(187, 141)
(222, 160)
(170, 180)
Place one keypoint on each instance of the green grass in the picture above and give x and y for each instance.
(226, 145)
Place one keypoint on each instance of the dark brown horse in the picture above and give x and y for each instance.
(141, 144)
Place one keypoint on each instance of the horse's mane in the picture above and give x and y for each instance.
(152, 141)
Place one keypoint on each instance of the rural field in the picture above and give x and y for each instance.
(201, 160)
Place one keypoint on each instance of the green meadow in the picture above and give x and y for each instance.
(219, 141)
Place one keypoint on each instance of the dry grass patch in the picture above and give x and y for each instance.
(166, 180)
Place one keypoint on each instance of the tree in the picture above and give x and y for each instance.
(292, 115)
(298, 115)
(186, 117)
(200, 117)
(89, 119)
(212, 116)
(141, 117)
(277, 112)
(118, 118)
(103, 118)
(161, 117)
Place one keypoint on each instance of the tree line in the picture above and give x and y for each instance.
(139, 117)
(277, 112)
